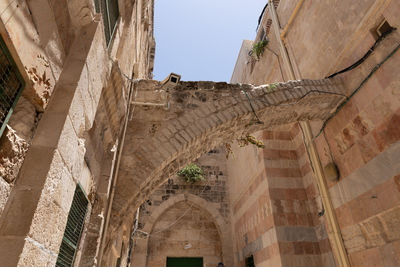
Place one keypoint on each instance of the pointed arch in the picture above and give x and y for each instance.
(140, 252)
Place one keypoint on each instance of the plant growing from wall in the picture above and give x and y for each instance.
(258, 48)
(271, 87)
(242, 142)
(229, 151)
(249, 139)
(191, 173)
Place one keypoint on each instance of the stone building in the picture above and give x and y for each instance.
(90, 145)
(279, 214)
(65, 69)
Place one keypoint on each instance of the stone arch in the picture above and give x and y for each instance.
(223, 226)
(202, 116)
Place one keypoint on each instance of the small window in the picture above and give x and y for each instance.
(11, 85)
(110, 11)
(383, 29)
(250, 261)
(73, 230)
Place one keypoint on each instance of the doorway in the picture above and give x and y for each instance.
(184, 262)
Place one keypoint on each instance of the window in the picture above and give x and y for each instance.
(250, 261)
(109, 10)
(73, 230)
(11, 85)
(383, 29)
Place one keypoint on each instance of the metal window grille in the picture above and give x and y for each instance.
(110, 12)
(11, 85)
(73, 230)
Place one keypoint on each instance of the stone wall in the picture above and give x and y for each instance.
(274, 220)
(66, 122)
(194, 235)
(179, 213)
(213, 190)
(361, 139)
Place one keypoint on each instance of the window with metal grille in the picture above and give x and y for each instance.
(73, 230)
(109, 10)
(11, 85)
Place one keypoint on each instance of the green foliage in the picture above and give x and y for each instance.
(258, 48)
(192, 173)
(271, 87)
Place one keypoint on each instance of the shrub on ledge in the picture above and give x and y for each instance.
(191, 173)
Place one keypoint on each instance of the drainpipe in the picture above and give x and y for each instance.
(114, 175)
(282, 48)
(164, 105)
(339, 249)
(98, 248)
(291, 19)
(131, 238)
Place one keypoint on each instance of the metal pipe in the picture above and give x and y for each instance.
(149, 104)
(115, 175)
(339, 249)
(131, 244)
(338, 245)
(291, 19)
(284, 53)
(98, 248)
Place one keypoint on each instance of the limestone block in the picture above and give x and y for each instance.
(5, 190)
(91, 243)
(79, 164)
(297, 233)
(353, 238)
(391, 221)
(68, 145)
(85, 179)
(81, 11)
(34, 254)
(23, 119)
(48, 225)
(12, 154)
(98, 66)
(59, 186)
(372, 230)
(77, 113)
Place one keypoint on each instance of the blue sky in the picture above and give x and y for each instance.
(201, 39)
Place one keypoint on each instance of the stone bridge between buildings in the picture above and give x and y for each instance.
(180, 124)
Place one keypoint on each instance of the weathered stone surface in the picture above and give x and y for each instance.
(12, 154)
(35, 254)
(147, 168)
(353, 238)
(5, 189)
(195, 229)
(23, 119)
(210, 194)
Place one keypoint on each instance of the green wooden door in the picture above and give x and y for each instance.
(184, 262)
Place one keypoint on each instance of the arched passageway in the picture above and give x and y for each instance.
(201, 116)
(185, 225)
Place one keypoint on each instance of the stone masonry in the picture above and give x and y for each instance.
(179, 204)
(222, 113)
(81, 120)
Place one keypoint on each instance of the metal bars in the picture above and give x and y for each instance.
(110, 12)
(73, 230)
(11, 85)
